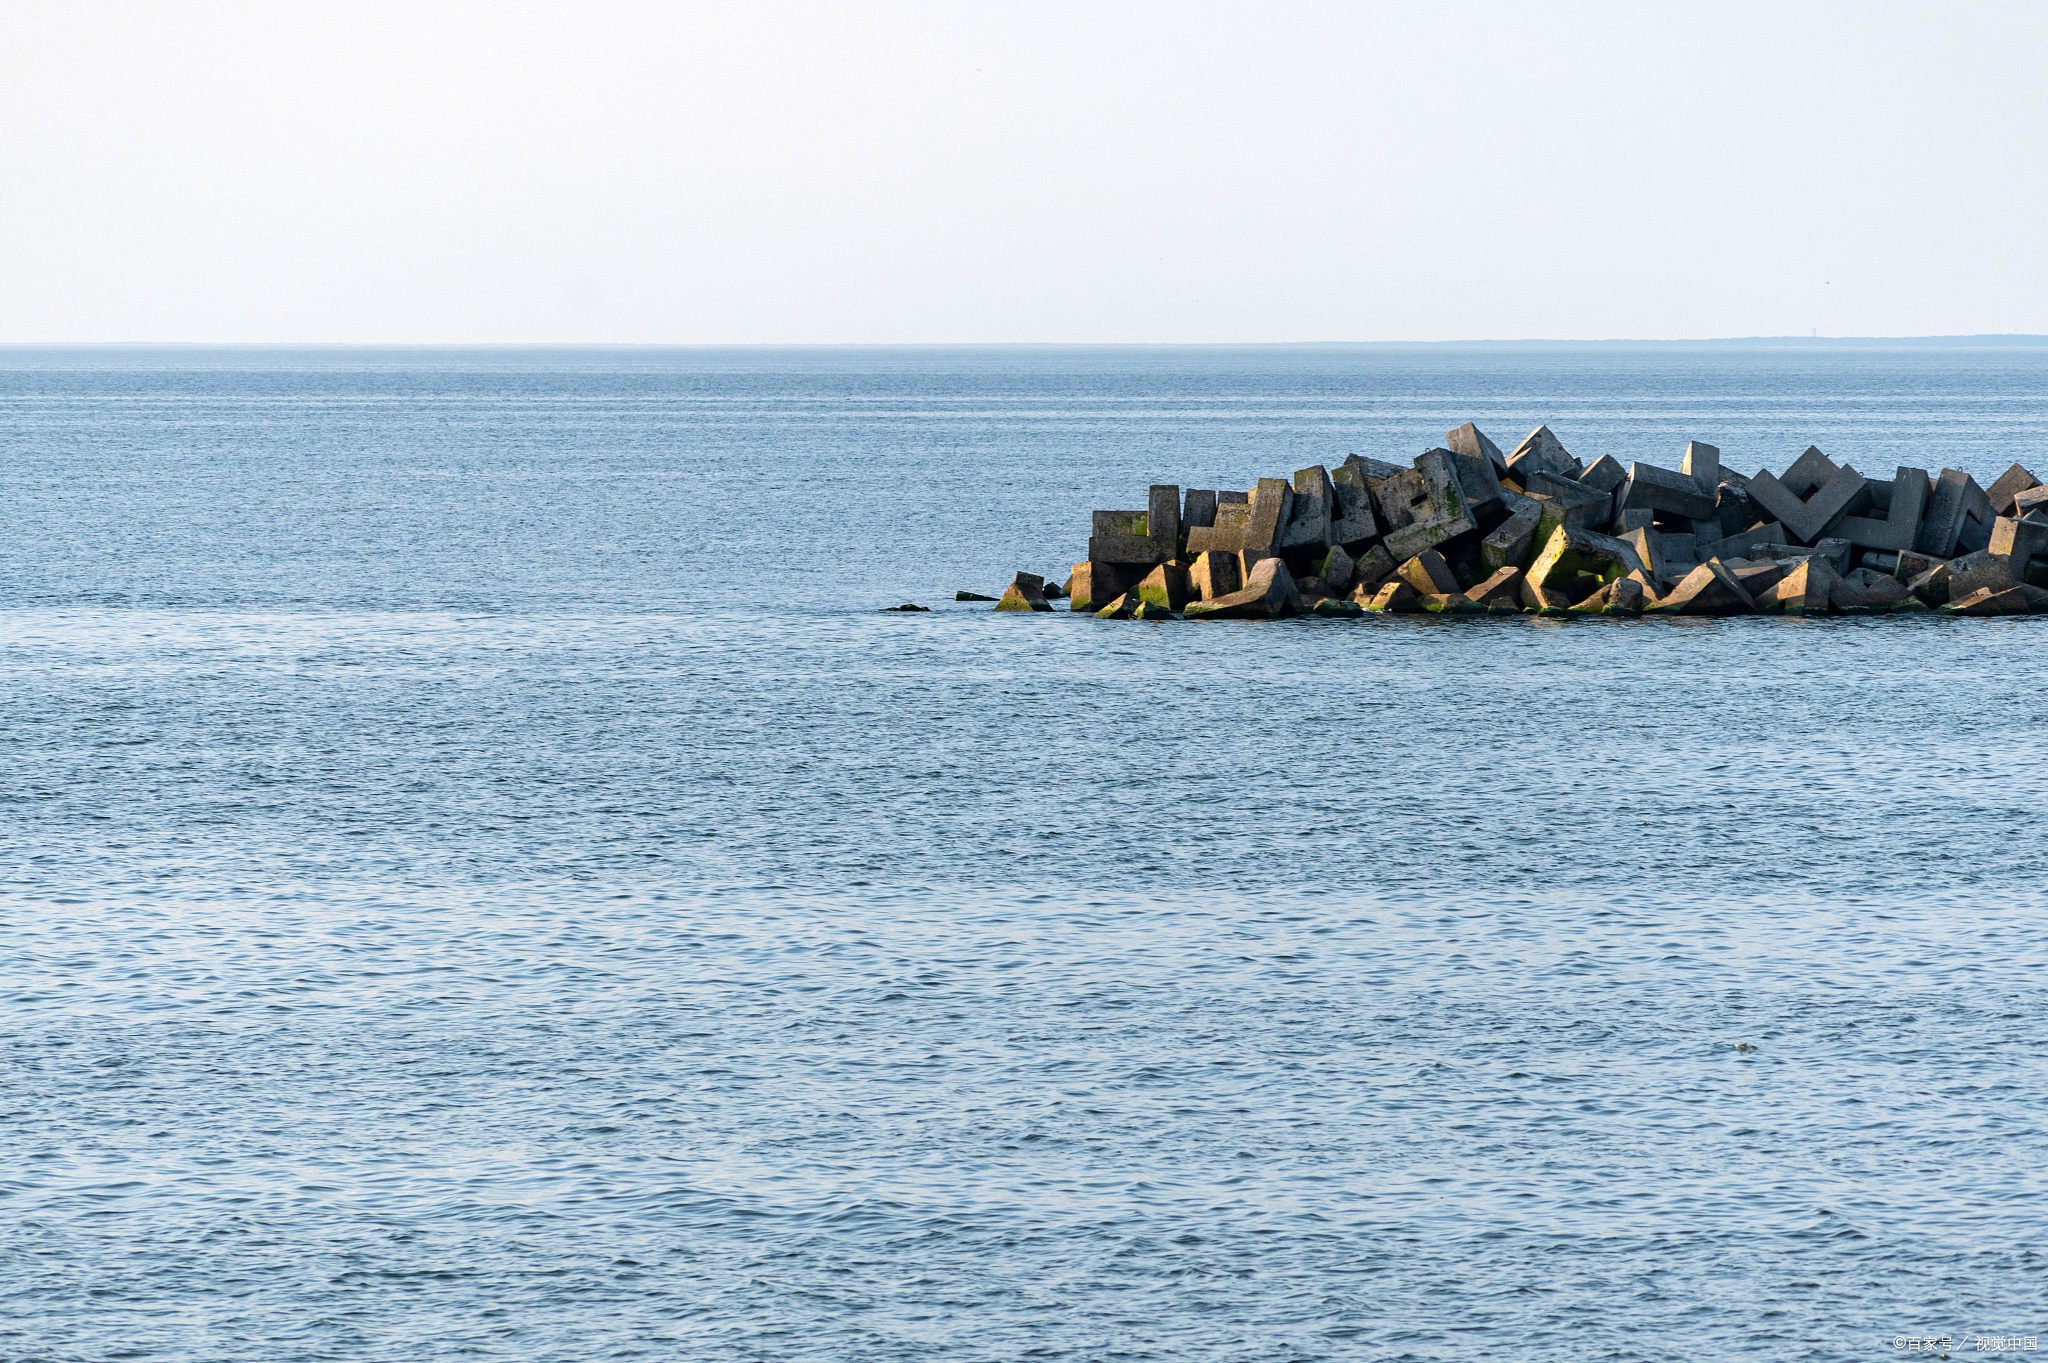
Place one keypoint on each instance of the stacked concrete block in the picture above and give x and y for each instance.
(1465, 530)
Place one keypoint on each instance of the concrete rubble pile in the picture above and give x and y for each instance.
(1468, 530)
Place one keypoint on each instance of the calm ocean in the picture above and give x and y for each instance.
(479, 879)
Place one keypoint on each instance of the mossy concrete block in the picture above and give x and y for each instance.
(1026, 592)
(1428, 573)
(1271, 502)
(1574, 563)
(1395, 597)
(1423, 507)
(1165, 587)
(1512, 541)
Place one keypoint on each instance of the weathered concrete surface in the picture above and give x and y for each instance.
(1026, 592)
(1709, 589)
(1353, 523)
(1957, 503)
(1468, 441)
(1512, 541)
(1900, 525)
(1866, 589)
(1665, 490)
(1428, 573)
(1575, 563)
(1540, 449)
(1225, 533)
(2019, 600)
(1810, 517)
(1310, 513)
(2007, 486)
(1166, 587)
(1214, 575)
(1504, 585)
(1423, 507)
(1197, 508)
(1806, 589)
(1396, 597)
(1701, 462)
(1271, 500)
(1268, 593)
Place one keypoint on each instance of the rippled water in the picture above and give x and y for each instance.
(481, 880)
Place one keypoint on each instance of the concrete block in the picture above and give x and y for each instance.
(1225, 535)
(1026, 592)
(1372, 568)
(1808, 518)
(1905, 501)
(1166, 587)
(2033, 499)
(1757, 577)
(1604, 474)
(1197, 507)
(1396, 597)
(1627, 597)
(1954, 504)
(1333, 575)
(2017, 600)
(1633, 518)
(1268, 593)
(1215, 574)
(1541, 450)
(1663, 490)
(2007, 486)
(1912, 564)
(1576, 562)
(1123, 537)
(1512, 541)
(1470, 442)
(1805, 589)
(1353, 523)
(1450, 603)
(1587, 506)
(1709, 589)
(1810, 472)
(2020, 539)
(1271, 501)
(1162, 522)
(1309, 513)
(1428, 573)
(1423, 507)
(1092, 584)
(1504, 585)
(1982, 569)
(1866, 589)
(1701, 462)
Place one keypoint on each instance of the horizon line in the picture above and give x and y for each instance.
(1959, 338)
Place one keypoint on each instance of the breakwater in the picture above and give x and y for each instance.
(1466, 529)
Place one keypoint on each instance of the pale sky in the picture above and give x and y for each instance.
(866, 171)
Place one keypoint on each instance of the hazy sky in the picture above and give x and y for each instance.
(676, 172)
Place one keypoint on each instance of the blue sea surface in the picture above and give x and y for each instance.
(480, 878)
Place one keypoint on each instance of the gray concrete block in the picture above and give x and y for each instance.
(1905, 501)
(1123, 537)
(1197, 507)
(1710, 589)
(1575, 562)
(1309, 513)
(1701, 462)
(1226, 535)
(2008, 485)
(1423, 507)
(2020, 539)
(1587, 506)
(1268, 593)
(1026, 592)
(1604, 474)
(1666, 491)
(1540, 449)
(1468, 440)
(1512, 541)
(1954, 506)
(1215, 574)
(1353, 522)
(1814, 516)
(1809, 473)
(1162, 522)
(1428, 572)
(1271, 500)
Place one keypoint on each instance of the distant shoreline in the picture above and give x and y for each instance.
(1987, 341)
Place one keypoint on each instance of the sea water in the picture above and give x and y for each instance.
(480, 878)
